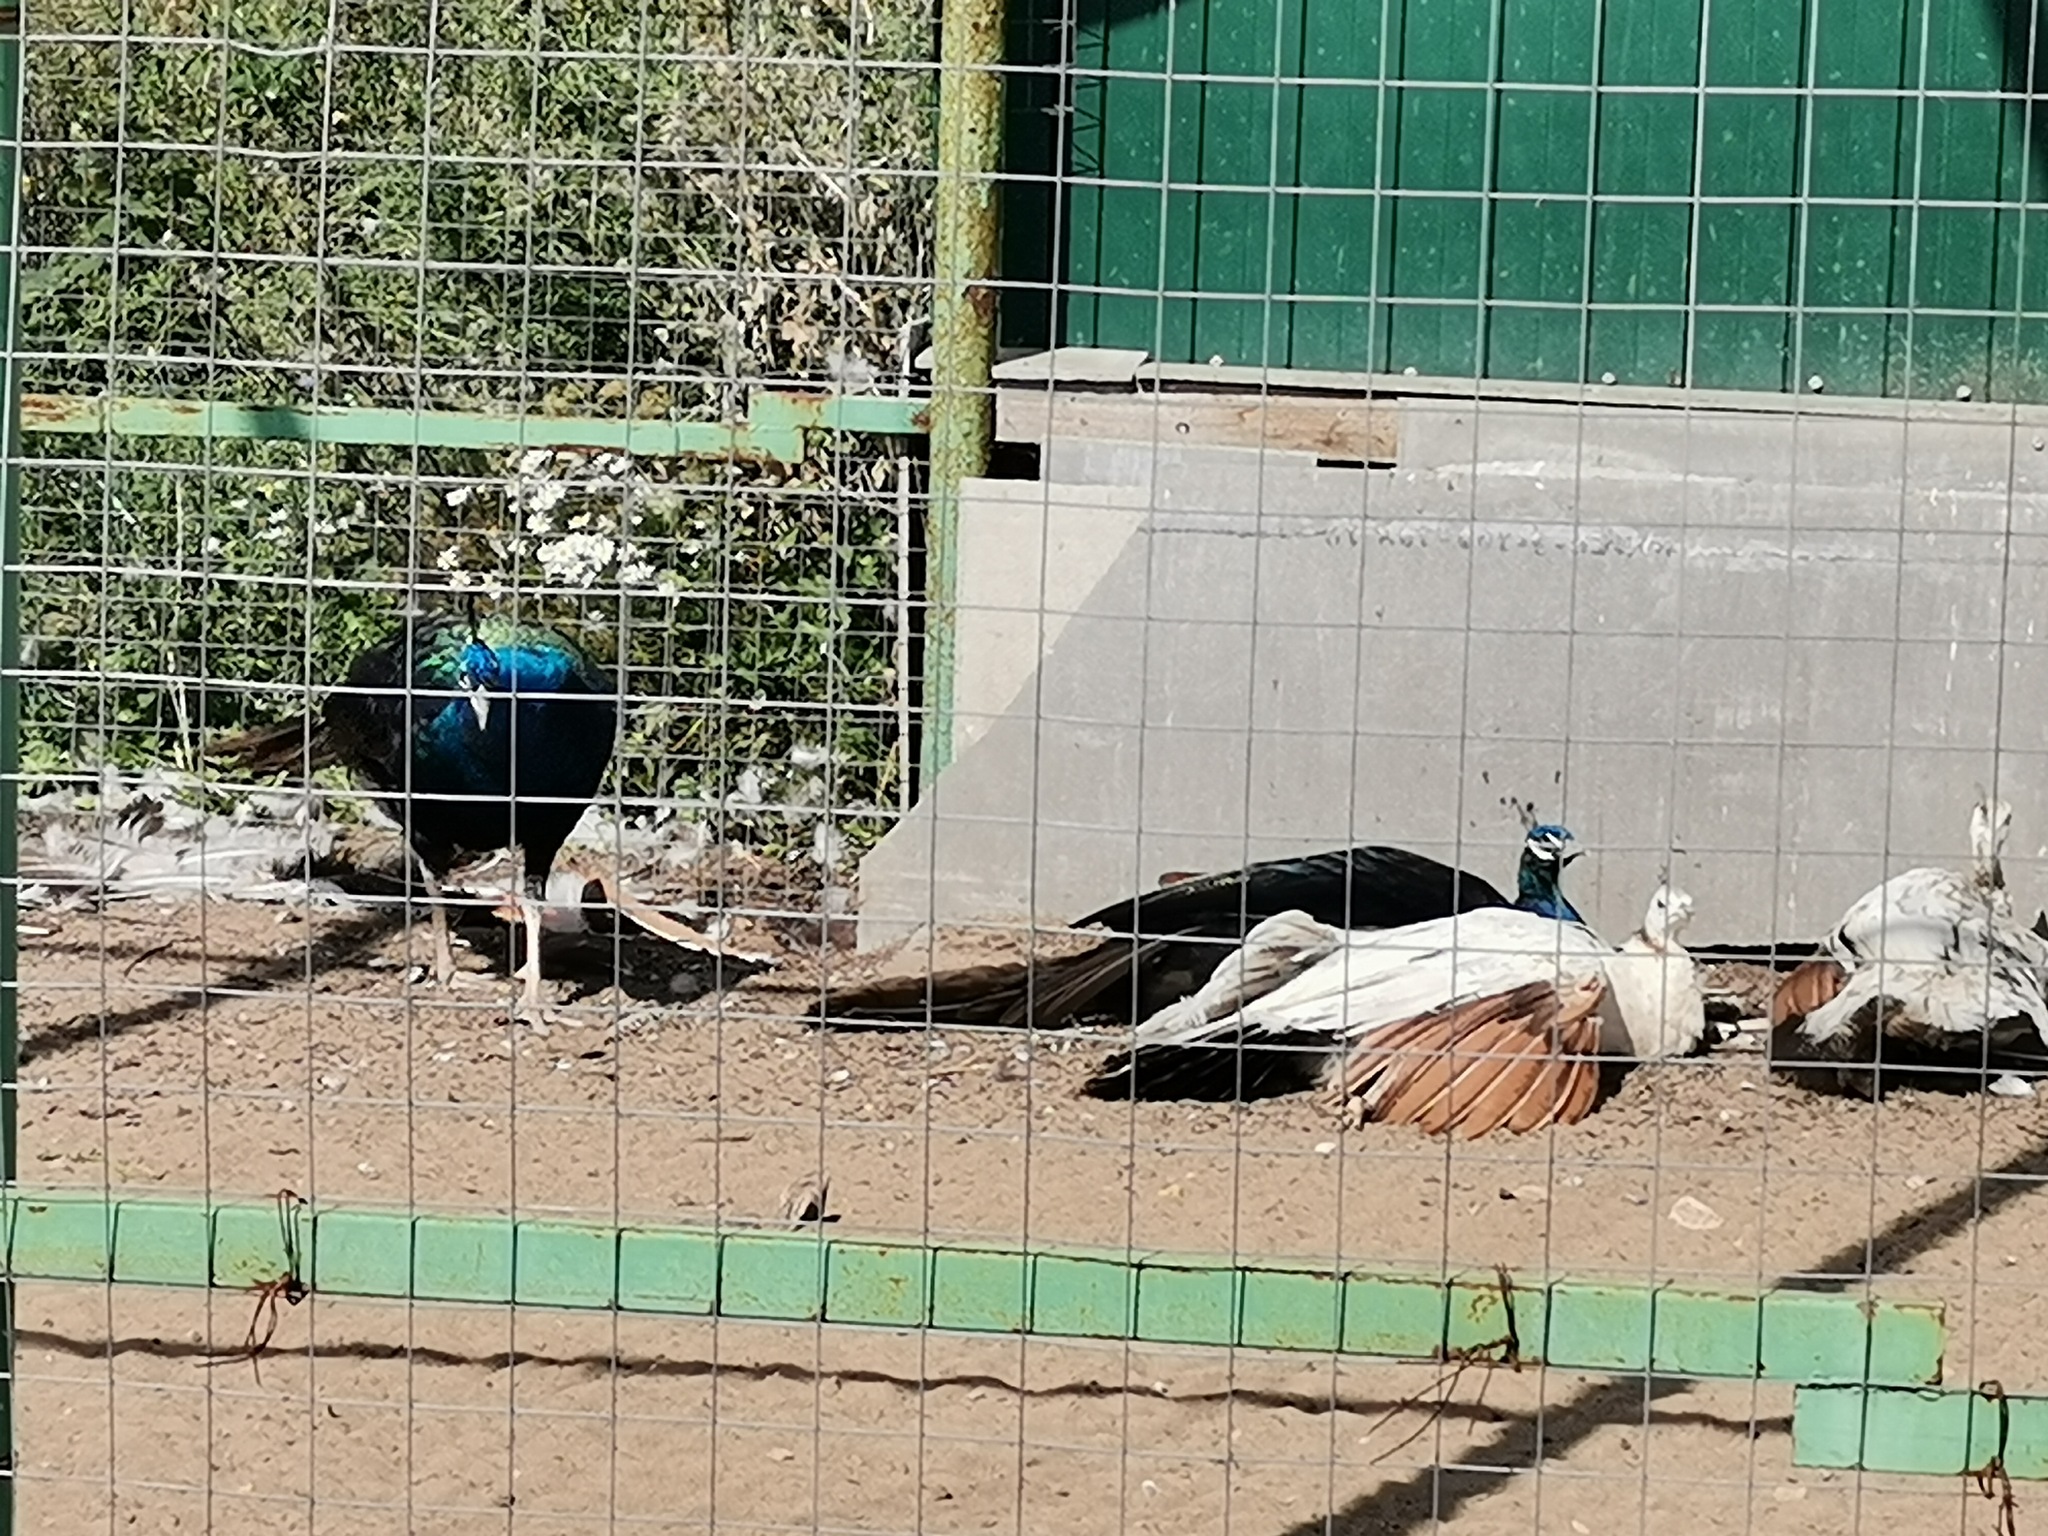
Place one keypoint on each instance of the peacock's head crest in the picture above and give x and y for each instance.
(478, 674)
(1550, 844)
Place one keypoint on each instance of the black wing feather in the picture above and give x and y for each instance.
(1370, 887)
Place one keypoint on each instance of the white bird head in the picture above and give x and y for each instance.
(1990, 821)
(1669, 911)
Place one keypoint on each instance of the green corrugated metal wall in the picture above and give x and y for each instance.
(1544, 189)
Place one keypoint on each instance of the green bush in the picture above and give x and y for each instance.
(593, 208)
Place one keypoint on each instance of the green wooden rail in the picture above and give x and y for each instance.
(1162, 1298)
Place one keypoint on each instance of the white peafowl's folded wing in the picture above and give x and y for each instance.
(1912, 917)
(1395, 974)
(1275, 952)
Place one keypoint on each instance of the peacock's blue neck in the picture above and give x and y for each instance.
(1537, 890)
(529, 713)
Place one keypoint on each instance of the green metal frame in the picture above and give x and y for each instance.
(775, 428)
(1056, 1292)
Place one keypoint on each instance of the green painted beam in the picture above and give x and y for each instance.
(1944, 1434)
(774, 429)
(975, 1288)
(965, 226)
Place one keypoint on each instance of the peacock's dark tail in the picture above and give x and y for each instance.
(1114, 979)
(1184, 928)
(300, 742)
(1210, 1070)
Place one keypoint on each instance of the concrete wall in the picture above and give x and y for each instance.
(1774, 649)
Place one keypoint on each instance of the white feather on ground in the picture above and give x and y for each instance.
(1491, 1018)
(1932, 958)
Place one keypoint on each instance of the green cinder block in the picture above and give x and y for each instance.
(980, 1292)
(561, 1264)
(159, 1244)
(460, 1258)
(249, 1243)
(1182, 1304)
(362, 1253)
(1702, 1334)
(874, 1283)
(1821, 1338)
(668, 1272)
(1282, 1309)
(1480, 1313)
(61, 1237)
(1392, 1316)
(1598, 1327)
(1914, 1430)
(772, 1276)
(1083, 1298)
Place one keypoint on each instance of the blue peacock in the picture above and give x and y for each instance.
(1164, 943)
(487, 733)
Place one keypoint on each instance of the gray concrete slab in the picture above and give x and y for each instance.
(1776, 651)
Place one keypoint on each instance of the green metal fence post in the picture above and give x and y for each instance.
(963, 329)
(10, 708)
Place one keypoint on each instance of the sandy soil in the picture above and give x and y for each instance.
(232, 1050)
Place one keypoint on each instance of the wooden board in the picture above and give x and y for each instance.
(1348, 431)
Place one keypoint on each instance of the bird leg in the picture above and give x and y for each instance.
(530, 897)
(445, 972)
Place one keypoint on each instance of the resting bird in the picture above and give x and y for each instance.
(496, 736)
(1930, 965)
(1473, 1022)
(1182, 929)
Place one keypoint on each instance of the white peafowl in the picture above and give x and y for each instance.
(1493, 1018)
(1928, 967)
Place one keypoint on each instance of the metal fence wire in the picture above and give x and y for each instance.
(1230, 765)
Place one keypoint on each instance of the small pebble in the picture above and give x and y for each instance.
(2007, 1086)
(1325, 1148)
(1695, 1215)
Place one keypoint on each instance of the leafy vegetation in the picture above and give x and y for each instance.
(598, 208)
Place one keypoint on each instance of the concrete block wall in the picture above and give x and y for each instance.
(1775, 647)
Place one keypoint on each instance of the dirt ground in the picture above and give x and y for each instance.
(231, 1050)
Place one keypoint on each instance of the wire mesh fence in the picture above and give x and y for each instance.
(1418, 431)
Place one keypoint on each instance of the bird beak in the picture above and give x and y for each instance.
(480, 706)
(1576, 853)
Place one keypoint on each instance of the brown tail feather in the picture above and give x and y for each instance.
(1521, 1059)
(1527, 1067)
(1457, 1058)
(1811, 986)
(269, 748)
